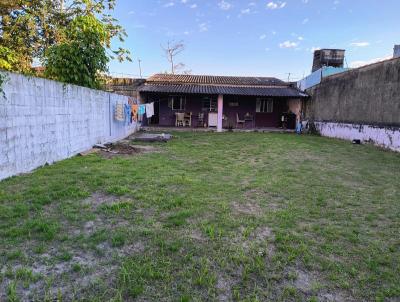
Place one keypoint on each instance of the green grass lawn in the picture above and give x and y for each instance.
(208, 217)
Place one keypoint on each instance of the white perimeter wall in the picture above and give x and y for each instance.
(43, 121)
(385, 137)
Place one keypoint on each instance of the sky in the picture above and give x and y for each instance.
(254, 37)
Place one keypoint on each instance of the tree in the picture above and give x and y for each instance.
(81, 57)
(27, 28)
(171, 50)
(30, 27)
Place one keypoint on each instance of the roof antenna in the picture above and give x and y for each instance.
(140, 68)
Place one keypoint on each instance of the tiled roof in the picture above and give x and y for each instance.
(199, 84)
(214, 80)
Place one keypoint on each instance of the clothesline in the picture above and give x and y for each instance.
(132, 111)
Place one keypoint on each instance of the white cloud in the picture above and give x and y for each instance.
(300, 38)
(224, 5)
(245, 11)
(194, 5)
(305, 1)
(131, 12)
(263, 36)
(356, 64)
(360, 44)
(169, 4)
(276, 5)
(288, 44)
(184, 1)
(203, 27)
(305, 21)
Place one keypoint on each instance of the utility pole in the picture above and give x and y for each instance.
(288, 77)
(140, 67)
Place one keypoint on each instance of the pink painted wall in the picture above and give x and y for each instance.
(386, 137)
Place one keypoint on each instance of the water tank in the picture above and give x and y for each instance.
(328, 57)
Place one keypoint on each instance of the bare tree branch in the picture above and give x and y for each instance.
(171, 50)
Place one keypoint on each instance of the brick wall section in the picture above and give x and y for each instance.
(43, 121)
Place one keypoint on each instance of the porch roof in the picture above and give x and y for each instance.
(248, 86)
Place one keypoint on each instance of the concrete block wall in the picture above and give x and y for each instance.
(43, 121)
(362, 103)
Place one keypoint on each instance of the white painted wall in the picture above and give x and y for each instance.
(386, 137)
(43, 121)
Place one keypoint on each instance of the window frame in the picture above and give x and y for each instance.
(172, 99)
(264, 105)
(212, 104)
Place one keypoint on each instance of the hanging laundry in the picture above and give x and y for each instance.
(119, 112)
(149, 110)
(134, 109)
(127, 111)
(142, 109)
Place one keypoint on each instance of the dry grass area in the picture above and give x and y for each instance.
(206, 217)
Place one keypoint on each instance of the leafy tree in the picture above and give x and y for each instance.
(82, 56)
(7, 58)
(29, 28)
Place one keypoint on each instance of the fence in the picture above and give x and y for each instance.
(43, 121)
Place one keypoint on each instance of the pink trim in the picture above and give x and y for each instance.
(220, 112)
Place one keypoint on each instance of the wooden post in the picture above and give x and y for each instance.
(220, 112)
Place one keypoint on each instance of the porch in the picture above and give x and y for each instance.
(165, 129)
(223, 112)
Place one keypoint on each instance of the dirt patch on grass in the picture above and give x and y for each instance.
(197, 235)
(70, 273)
(224, 287)
(98, 199)
(248, 208)
(269, 200)
(125, 149)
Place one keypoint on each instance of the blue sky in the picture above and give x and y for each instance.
(255, 37)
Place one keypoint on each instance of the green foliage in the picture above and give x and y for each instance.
(7, 58)
(82, 56)
(30, 28)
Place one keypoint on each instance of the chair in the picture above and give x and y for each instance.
(180, 119)
(188, 119)
(239, 121)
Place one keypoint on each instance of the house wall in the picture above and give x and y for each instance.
(366, 98)
(43, 121)
(247, 104)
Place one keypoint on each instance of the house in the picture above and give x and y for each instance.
(222, 101)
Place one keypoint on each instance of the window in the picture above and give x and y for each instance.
(177, 102)
(265, 105)
(209, 104)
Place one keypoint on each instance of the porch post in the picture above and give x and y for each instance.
(220, 112)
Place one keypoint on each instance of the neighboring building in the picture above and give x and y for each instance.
(326, 62)
(124, 86)
(396, 51)
(317, 76)
(222, 101)
(328, 57)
